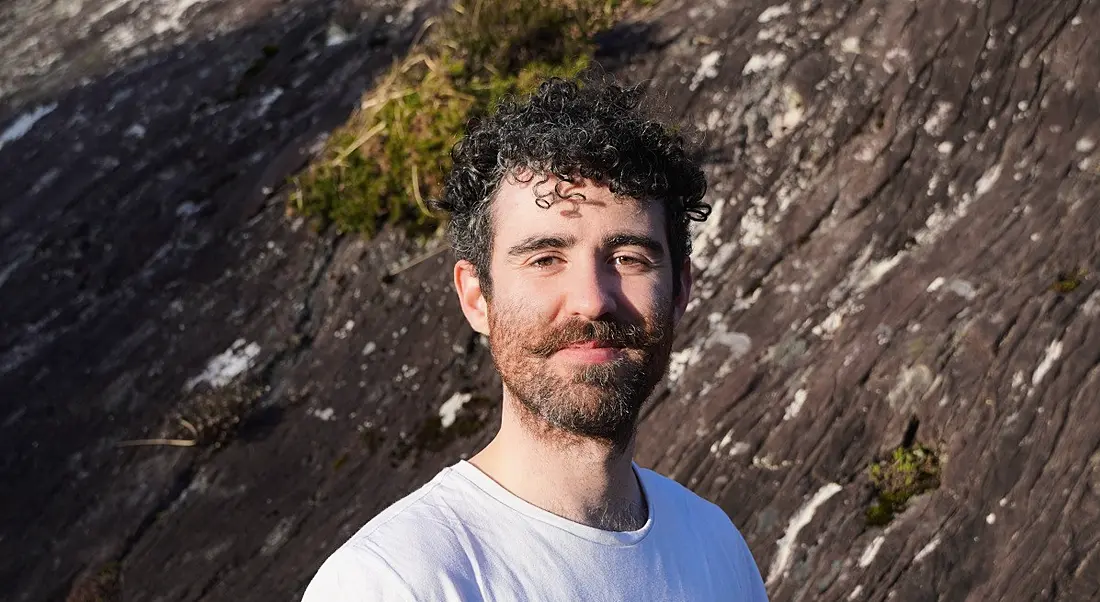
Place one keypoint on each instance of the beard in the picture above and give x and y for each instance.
(599, 401)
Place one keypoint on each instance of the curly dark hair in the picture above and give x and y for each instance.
(570, 129)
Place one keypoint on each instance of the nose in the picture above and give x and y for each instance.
(592, 293)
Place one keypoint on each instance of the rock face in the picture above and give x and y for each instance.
(902, 252)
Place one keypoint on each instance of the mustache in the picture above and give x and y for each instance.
(602, 332)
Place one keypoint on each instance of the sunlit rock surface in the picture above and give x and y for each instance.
(903, 250)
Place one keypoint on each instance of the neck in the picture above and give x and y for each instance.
(587, 481)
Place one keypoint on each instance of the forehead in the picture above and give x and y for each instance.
(520, 209)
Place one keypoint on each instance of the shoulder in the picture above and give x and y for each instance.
(363, 571)
(689, 512)
(426, 505)
(685, 510)
(426, 524)
(354, 574)
(404, 553)
(671, 494)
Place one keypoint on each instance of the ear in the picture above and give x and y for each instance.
(470, 297)
(681, 302)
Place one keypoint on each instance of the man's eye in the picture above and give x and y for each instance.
(544, 262)
(629, 260)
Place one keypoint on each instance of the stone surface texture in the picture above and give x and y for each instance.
(899, 188)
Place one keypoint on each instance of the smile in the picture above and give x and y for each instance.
(590, 352)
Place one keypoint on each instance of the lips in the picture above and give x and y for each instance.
(594, 352)
(590, 345)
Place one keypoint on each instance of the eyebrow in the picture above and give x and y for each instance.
(538, 243)
(635, 240)
(535, 243)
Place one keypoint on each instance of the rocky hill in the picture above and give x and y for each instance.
(890, 378)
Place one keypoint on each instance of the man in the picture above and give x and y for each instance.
(569, 218)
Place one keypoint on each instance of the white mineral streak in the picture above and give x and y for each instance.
(877, 270)
(927, 549)
(717, 447)
(680, 360)
(325, 415)
(869, 554)
(278, 536)
(1091, 306)
(224, 367)
(708, 69)
(24, 123)
(963, 289)
(335, 35)
(173, 17)
(448, 412)
(739, 448)
(935, 123)
(737, 345)
(753, 226)
(763, 62)
(796, 405)
(939, 221)
(187, 209)
(1017, 379)
(784, 555)
(267, 100)
(1054, 351)
(986, 182)
(774, 12)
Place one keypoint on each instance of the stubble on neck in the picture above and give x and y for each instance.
(588, 481)
(619, 514)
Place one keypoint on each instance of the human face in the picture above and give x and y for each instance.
(581, 316)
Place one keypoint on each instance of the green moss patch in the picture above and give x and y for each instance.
(909, 471)
(1068, 281)
(394, 152)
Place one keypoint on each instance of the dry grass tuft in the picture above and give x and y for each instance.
(210, 416)
(393, 154)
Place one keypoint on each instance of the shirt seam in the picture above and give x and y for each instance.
(365, 534)
(363, 547)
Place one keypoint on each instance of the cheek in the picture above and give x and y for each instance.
(511, 315)
(529, 288)
(513, 292)
(649, 297)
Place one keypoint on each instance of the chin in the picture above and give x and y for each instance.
(585, 410)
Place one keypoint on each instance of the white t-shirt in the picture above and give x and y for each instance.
(463, 537)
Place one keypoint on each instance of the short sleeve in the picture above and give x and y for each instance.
(751, 582)
(354, 574)
(754, 583)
